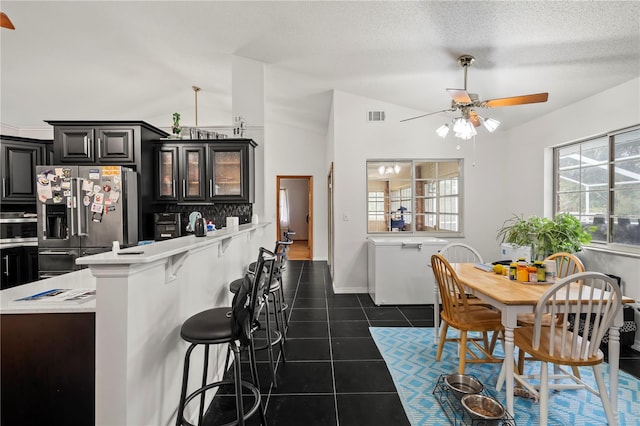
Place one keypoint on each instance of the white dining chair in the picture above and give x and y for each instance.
(562, 345)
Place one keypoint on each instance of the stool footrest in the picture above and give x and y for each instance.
(245, 384)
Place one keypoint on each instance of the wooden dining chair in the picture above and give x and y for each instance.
(558, 344)
(459, 314)
(456, 253)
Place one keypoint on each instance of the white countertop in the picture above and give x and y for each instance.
(72, 280)
(84, 279)
(162, 249)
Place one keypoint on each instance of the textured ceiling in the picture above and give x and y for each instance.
(139, 59)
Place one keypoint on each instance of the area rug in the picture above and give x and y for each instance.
(410, 356)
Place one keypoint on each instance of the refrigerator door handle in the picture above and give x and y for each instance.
(78, 209)
(72, 204)
(57, 253)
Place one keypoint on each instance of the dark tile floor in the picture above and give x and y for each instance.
(334, 374)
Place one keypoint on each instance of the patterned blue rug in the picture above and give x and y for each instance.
(410, 356)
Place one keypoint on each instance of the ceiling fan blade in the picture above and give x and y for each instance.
(460, 96)
(431, 113)
(516, 100)
(474, 118)
(5, 22)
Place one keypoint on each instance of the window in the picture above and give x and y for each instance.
(415, 196)
(598, 181)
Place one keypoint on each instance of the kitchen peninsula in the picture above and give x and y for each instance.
(144, 294)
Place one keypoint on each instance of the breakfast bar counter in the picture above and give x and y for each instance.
(143, 295)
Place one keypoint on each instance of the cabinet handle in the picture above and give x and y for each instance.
(173, 188)
(87, 143)
(4, 187)
(416, 245)
(211, 188)
(6, 265)
(58, 253)
(184, 188)
(99, 148)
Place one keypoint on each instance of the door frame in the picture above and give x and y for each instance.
(309, 180)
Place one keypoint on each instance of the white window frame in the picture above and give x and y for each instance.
(611, 216)
(411, 199)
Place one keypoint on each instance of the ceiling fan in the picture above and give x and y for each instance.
(466, 103)
(5, 22)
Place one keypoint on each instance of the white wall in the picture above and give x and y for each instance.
(291, 148)
(355, 140)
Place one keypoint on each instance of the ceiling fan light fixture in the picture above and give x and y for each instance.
(490, 124)
(464, 129)
(443, 130)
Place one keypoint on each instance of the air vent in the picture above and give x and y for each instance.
(375, 115)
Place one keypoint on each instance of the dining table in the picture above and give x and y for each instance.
(512, 298)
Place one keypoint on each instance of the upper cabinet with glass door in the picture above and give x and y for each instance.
(231, 171)
(181, 173)
(205, 172)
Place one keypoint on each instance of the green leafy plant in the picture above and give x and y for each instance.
(176, 129)
(563, 233)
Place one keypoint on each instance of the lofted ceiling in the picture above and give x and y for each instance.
(138, 60)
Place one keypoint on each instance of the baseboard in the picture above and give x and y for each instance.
(350, 290)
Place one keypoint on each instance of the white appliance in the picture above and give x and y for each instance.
(399, 269)
(511, 252)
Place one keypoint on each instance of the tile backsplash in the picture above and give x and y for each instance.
(217, 213)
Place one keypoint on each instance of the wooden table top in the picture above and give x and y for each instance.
(501, 288)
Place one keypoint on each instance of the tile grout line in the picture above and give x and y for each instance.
(333, 371)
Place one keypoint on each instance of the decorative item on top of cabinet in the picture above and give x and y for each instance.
(20, 156)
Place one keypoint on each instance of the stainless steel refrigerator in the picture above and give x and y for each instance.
(82, 210)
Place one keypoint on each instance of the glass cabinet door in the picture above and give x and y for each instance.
(227, 166)
(167, 163)
(193, 173)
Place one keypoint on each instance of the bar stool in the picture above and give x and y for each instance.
(233, 326)
(271, 299)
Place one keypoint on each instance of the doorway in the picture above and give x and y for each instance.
(294, 201)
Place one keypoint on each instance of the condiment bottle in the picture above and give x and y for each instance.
(513, 271)
(542, 271)
(523, 272)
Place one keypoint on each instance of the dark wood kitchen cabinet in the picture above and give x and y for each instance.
(231, 171)
(20, 156)
(48, 369)
(89, 145)
(18, 265)
(180, 172)
(205, 172)
(102, 142)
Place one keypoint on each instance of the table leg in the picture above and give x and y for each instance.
(507, 367)
(614, 367)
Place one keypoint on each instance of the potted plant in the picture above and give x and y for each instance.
(176, 129)
(563, 233)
